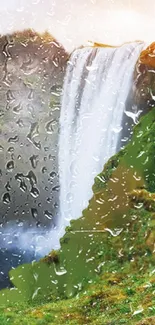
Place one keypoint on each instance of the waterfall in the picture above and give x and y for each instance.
(97, 83)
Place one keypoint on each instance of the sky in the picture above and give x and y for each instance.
(75, 22)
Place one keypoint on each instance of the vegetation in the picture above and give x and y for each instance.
(104, 272)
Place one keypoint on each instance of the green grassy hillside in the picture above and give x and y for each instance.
(104, 271)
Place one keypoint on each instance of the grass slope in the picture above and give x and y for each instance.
(106, 263)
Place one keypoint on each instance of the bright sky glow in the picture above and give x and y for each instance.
(74, 22)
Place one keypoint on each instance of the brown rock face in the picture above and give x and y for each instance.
(147, 56)
(144, 79)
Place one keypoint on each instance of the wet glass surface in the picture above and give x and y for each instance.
(77, 180)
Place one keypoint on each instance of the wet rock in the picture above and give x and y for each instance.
(144, 79)
(32, 68)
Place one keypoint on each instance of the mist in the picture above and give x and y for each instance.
(73, 23)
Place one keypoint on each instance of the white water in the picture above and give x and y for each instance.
(96, 87)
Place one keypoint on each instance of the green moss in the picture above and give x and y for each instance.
(144, 198)
(112, 298)
(102, 179)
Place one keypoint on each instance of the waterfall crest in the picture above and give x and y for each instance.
(97, 83)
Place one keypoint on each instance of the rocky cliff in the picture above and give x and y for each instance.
(32, 68)
(144, 85)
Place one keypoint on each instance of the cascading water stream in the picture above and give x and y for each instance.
(97, 83)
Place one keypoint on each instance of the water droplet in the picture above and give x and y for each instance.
(16, 212)
(11, 149)
(9, 96)
(30, 109)
(115, 232)
(133, 116)
(55, 205)
(61, 271)
(7, 186)
(20, 223)
(53, 175)
(20, 123)
(23, 186)
(32, 178)
(10, 166)
(34, 192)
(151, 93)
(51, 157)
(19, 177)
(48, 215)
(17, 108)
(35, 292)
(140, 133)
(37, 144)
(13, 139)
(137, 178)
(34, 161)
(1, 113)
(38, 224)
(34, 131)
(6, 198)
(1, 148)
(92, 68)
(141, 154)
(56, 188)
(34, 213)
(44, 170)
(31, 94)
(138, 311)
(51, 126)
(49, 200)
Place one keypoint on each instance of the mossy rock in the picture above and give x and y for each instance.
(52, 257)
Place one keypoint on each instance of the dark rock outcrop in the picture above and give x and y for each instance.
(144, 79)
